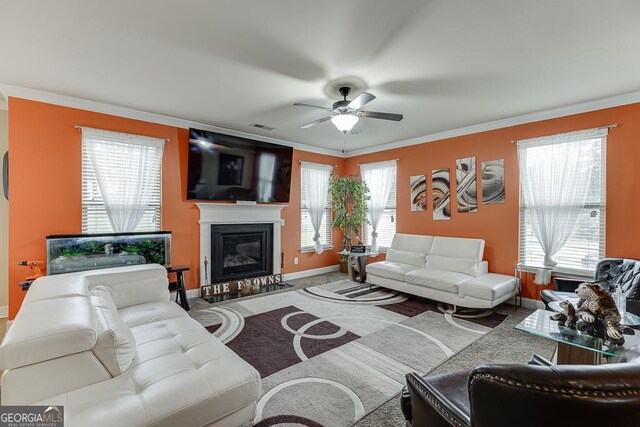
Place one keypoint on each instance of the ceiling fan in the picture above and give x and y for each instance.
(345, 114)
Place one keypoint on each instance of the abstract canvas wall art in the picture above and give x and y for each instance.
(441, 194)
(493, 182)
(418, 193)
(467, 188)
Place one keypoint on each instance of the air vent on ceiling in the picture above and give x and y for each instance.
(259, 126)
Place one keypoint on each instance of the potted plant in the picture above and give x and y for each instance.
(348, 196)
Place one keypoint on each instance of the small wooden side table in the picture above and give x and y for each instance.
(178, 286)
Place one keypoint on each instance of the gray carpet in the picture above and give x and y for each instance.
(360, 355)
(503, 344)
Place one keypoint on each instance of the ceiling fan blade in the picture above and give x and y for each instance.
(315, 122)
(356, 129)
(301, 104)
(383, 116)
(361, 100)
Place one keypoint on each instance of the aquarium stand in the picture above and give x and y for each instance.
(178, 286)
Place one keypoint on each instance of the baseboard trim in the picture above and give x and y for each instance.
(312, 272)
(193, 293)
(530, 303)
(4, 311)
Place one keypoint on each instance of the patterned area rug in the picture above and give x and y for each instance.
(330, 354)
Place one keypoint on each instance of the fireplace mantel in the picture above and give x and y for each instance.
(230, 213)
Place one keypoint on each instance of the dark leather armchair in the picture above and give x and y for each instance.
(537, 394)
(610, 272)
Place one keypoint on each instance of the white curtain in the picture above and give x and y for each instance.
(379, 178)
(555, 174)
(315, 178)
(125, 166)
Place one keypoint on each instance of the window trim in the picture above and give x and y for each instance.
(306, 250)
(328, 211)
(601, 207)
(363, 227)
(86, 206)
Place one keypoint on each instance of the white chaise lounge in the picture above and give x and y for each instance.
(112, 348)
(445, 269)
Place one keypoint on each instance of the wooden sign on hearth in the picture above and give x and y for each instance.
(233, 286)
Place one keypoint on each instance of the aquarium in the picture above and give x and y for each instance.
(80, 252)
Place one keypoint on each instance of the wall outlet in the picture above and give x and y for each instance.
(295, 260)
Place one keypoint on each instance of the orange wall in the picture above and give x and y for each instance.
(46, 173)
(45, 180)
(498, 224)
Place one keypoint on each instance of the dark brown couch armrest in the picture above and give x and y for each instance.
(439, 401)
(526, 395)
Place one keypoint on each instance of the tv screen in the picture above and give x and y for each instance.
(225, 167)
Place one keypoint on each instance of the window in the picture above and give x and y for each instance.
(586, 244)
(387, 225)
(307, 232)
(121, 182)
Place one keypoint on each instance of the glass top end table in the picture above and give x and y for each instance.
(574, 347)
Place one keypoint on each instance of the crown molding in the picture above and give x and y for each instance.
(583, 107)
(8, 90)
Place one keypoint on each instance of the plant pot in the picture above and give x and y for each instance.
(344, 268)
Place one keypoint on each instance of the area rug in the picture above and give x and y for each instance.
(329, 354)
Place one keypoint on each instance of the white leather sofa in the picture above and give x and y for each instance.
(445, 269)
(112, 348)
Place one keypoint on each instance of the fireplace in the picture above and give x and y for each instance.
(239, 216)
(240, 251)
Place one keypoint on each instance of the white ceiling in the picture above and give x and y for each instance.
(443, 64)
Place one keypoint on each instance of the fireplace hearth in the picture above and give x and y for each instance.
(240, 251)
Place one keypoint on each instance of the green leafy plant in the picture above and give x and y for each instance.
(348, 196)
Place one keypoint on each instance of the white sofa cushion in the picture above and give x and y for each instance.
(412, 242)
(181, 376)
(390, 270)
(129, 288)
(442, 280)
(34, 336)
(29, 384)
(488, 287)
(103, 297)
(458, 247)
(57, 286)
(406, 257)
(150, 312)
(115, 347)
(467, 266)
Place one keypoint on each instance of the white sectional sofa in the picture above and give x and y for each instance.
(112, 348)
(445, 269)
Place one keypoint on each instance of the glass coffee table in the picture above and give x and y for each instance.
(574, 347)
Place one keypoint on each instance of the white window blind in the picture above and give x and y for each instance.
(306, 229)
(123, 166)
(586, 245)
(387, 227)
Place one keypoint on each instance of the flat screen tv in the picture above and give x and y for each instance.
(226, 167)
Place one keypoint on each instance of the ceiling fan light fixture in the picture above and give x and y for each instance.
(344, 122)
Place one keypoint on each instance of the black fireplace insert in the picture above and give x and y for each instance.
(240, 251)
